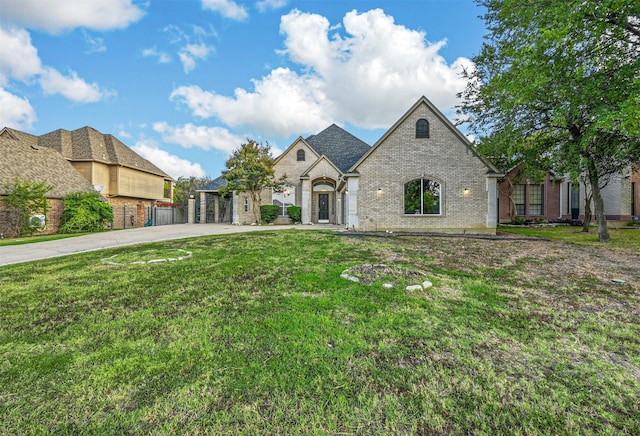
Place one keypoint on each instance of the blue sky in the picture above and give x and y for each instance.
(184, 82)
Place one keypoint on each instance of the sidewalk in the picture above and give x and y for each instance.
(12, 254)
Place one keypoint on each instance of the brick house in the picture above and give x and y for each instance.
(557, 198)
(421, 175)
(127, 181)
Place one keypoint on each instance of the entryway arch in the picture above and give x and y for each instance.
(323, 201)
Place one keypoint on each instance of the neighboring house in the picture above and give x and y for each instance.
(129, 182)
(23, 158)
(422, 175)
(557, 198)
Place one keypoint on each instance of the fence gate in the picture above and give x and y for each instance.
(162, 216)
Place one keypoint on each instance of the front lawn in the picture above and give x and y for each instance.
(258, 334)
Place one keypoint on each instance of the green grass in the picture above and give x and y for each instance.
(33, 239)
(620, 238)
(258, 334)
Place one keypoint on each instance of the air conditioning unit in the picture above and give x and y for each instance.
(38, 222)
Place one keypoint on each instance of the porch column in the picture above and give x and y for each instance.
(234, 207)
(203, 208)
(352, 213)
(306, 202)
(216, 208)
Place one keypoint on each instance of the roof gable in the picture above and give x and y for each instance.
(295, 144)
(317, 162)
(339, 146)
(440, 116)
(88, 144)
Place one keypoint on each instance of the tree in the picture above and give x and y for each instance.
(26, 198)
(250, 170)
(560, 79)
(185, 187)
(85, 212)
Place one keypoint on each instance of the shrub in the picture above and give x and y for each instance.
(295, 213)
(518, 221)
(85, 212)
(269, 212)
(25, 198)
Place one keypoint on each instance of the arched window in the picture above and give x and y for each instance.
(422, 197)
(422, 128)
(300, 155)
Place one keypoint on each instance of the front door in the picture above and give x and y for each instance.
(323, 208)
(575, 201)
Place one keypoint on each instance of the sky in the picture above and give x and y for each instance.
(185, 82)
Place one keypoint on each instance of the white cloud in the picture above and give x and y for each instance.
(193, 44)
(173, 165)
(163, 58)
(189, 53)
(20, 60)
(56, 16)
(71, 87)
(226, 8)
(15, 112)
(203, 137)
(96, 44)
(266, 5)
(366, 76)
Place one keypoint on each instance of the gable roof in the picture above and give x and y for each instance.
(492, 170)
(294, 144)
(339, 146)
(23, 158)
(88, 144)
(323, 158)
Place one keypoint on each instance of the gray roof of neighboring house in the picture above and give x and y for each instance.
(214, 185)
(88, 144)
(339, 146)
(23, 158)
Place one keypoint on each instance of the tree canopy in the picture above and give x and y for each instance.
(560, 81)
(185, 187)
(250, 170)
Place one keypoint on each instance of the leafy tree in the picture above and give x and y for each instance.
(26, 198)
(250, 170)
(560, 80)
(85, 212)
(185, 187)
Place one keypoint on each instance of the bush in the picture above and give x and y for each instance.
(295, 213)
(269, 212)
(85, 212)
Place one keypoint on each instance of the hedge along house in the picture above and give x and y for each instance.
(23, 158)
(129, 182)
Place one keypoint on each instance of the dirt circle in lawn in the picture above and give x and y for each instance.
(389, 276)
(141, 257)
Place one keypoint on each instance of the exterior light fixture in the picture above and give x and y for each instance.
(465, 191)
(379, 190)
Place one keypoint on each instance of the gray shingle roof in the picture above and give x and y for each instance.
(339, 146)
(23, 158)
(214, 185)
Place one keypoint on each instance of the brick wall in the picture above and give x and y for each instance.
(442, 157)
(8, 218)
(128, 212)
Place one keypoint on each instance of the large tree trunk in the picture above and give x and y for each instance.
(598, 203)
(586, 223)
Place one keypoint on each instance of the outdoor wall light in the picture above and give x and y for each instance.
(466, 191)
(379, 190)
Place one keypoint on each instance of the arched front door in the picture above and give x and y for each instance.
(324, 210)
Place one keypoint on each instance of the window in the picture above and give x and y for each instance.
(422, 128)
(422, 197)
(300, 155)
(284, 198)
(519, 198)
(535, 199)
(167, 189)
(246, 204)
(528, 195)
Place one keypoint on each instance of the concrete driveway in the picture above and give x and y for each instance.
(11, 254)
